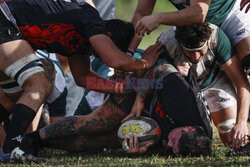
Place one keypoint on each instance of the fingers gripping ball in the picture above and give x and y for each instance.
(146, 129)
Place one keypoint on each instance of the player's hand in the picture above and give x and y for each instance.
(147, 24)
(244, 3)
(134, 146)
(183, 68)
(239, 134)
(152, 53)
(136, 109)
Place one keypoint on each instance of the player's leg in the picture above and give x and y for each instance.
(87, 143)
(34, 83)
(221, 99)
(103, 120)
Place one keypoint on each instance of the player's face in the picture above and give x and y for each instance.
(196, 56)
(174, 137)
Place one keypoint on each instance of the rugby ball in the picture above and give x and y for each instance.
(145, 128)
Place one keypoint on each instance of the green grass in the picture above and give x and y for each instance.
(125, 10)
(55, 157)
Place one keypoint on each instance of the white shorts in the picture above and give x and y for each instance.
(220, 94)
(237, 24)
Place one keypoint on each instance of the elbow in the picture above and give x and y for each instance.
(199, 19)
(81, 81)
(200, 15)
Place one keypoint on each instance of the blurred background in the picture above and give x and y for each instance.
(124, 9)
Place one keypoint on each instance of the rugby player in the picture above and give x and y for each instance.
(75, 29)
(229, 15)
(55, 103)
(184, 120)
(204, 49)
(14, 53)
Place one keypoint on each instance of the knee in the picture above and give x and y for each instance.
(224, 129)
(38, 85)
(226, 126)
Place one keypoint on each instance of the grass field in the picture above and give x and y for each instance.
(125, 10)
(54, 157)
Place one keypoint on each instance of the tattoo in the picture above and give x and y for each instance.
(107, 118)
(158, 71)
(61, 128)
(163, 69)
(104, 119)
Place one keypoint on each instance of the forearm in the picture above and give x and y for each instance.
(93, 81)
(144, 7)
(195, 13)
(129, 64)
(180, 18)
(242, 105)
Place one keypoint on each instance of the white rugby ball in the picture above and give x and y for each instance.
(145, 128)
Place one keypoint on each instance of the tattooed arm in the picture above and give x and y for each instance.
(157, 73)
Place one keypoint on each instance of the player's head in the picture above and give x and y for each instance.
(194, 40)
(121, 32)
(189, 141)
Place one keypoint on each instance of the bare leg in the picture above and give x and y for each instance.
(36, 89)
(103, 120)
(221, 116)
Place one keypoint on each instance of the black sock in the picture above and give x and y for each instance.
(246, 63)
(4, 114)
(21, 118)
(32, 143)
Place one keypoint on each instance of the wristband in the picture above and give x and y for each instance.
(130, 52)
(145, 63)
(119, 88)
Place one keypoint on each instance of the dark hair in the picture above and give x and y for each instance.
(195, 144)
(191, 36)
(121, 31)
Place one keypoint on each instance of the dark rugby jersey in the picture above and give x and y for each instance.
(59, 26)
(173, 109)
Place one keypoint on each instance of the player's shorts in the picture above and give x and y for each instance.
(220, 94)
(8, 31)
(237, 24)
(58, 107)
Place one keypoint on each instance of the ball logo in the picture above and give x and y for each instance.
(131, 129)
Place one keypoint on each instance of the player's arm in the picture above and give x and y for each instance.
(115, 58)
(85, 77)
(233, 71)
(144, 7)
(161, 70)
(195, 13)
